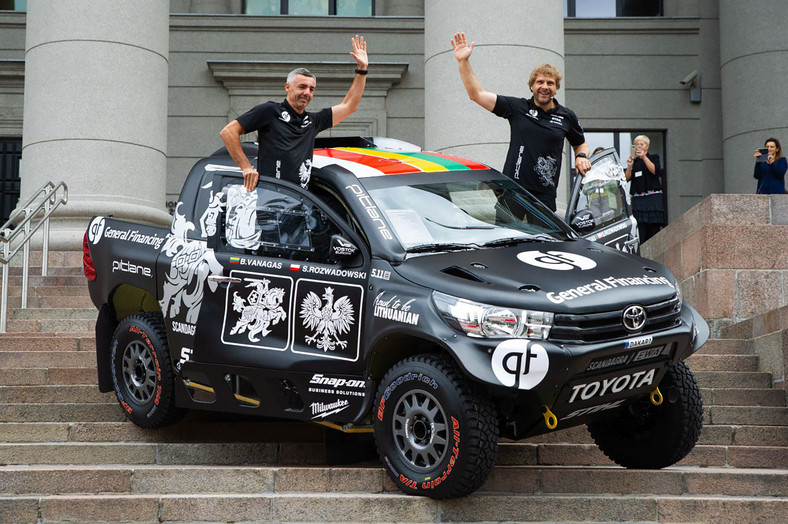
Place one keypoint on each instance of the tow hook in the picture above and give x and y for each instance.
(656, 397)
(550, 420)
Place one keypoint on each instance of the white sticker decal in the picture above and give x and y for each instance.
(261, 308)
(95, 230)
(557, 260)
(520, 363)
(328, 320)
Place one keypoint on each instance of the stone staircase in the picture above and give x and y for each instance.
(67, 454)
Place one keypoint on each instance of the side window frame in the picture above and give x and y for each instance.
(333, 221)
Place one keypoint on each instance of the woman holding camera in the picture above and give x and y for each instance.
(643, 172)
(770, 171)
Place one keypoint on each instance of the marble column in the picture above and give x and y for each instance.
(753, 73)
(95, 110)
(512, 37)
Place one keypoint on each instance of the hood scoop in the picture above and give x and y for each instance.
(460, 272)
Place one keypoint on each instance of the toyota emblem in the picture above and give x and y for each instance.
(634, 318)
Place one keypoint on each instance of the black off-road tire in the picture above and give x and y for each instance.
(436, 434)
(641, 435)
(141, 371)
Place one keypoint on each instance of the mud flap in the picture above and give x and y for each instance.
(105, 327)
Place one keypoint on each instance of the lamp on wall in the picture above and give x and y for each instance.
(692, 82)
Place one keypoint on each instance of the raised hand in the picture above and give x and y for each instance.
(462, 51)
(359, 52)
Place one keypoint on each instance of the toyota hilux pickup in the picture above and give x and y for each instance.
(420, 296)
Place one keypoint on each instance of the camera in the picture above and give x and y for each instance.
(690, 79)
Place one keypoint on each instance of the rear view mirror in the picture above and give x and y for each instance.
(583, 222)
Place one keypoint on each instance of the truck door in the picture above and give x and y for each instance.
(291, 296)
(602, 196)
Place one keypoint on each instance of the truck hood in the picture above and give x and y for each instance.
(574, 276)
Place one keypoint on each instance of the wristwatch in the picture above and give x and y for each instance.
(581, 155)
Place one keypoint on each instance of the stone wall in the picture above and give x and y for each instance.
(730, 255)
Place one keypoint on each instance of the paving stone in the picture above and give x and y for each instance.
(722, 509)
(108, 508)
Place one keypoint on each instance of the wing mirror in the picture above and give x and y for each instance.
(341, 249)
(583, 222)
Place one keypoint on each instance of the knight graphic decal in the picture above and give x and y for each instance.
(257, 311)
(305, 173)
(328, 314)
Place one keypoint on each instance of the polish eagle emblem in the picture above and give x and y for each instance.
(327, 320)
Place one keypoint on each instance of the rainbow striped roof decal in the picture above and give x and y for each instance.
(371, 162)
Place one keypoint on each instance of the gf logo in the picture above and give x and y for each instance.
(520, 363)
(558, 260)
(95, 230)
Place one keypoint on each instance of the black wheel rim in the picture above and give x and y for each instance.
(421, 433)
(139, 372)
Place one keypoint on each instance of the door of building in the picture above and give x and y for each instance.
(10, 160)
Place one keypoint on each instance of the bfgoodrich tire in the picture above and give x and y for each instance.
(644, 436)
(142, 373)
(436, 435)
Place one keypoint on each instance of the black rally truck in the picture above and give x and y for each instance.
(421, 296)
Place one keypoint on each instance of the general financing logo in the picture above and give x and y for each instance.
(96, 229)
(520, 363)
(604, 284)
(556, 260)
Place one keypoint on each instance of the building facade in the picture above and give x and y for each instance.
(702, 78)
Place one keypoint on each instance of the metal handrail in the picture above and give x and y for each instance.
(26, 227)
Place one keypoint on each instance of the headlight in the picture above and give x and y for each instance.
(485, 321)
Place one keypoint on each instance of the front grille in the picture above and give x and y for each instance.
(600, 327)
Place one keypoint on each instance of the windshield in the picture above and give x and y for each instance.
(465, 214)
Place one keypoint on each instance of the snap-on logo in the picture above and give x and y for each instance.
(557, 260)
(520, 363)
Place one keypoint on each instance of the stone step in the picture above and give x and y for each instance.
(55, 259)
(52, 270)
(76, 479)
(45, 359)
(48, 301)
(723, 363)
(35, 280)
(40, 376)
(559, 454)
(743, 397)
(725, 346)
(312, 453)
(68, 313)
(205, 427)
(334, 498)
(377, 505)
(733, 379)
(80, 412)
(49, 291)
(746, 415)
(54, 394)
(37, 341)
(27, 325)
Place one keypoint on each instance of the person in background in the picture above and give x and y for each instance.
(538, 126)
(643, 171)
(597, 150)
(770, 172)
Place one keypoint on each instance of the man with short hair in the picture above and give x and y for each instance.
(286, 130)
(538, 126)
